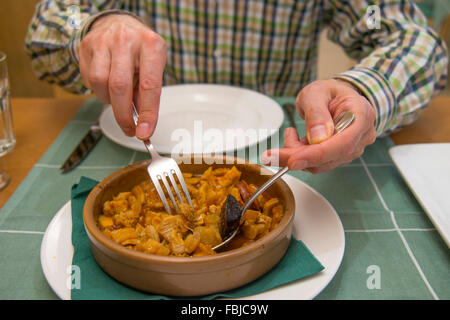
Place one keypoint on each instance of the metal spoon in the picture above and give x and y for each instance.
(340, 123)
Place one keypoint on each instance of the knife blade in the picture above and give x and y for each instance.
(83, 148)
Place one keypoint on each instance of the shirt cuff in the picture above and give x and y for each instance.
(85, 26)
(376, 88)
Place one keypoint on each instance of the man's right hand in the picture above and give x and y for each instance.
(122, 60)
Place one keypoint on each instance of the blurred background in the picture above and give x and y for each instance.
(16, 14)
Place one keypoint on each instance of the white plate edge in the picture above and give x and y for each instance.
(392, 152)
(164, 150)
(65, 209)
(323, 274)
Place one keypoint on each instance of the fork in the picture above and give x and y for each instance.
(163, 168)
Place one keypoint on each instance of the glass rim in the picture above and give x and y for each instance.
(2, 56)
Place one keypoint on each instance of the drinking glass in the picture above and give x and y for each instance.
(7, 137)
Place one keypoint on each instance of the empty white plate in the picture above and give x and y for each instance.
(426, 170)
(204, 118)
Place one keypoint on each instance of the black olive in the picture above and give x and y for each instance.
(231, 215)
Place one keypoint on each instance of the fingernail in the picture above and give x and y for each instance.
(143, 130)
(317, 134)
(299, 165)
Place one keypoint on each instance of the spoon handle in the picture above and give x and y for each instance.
(263, 188)
(341, 122)
(250, 200)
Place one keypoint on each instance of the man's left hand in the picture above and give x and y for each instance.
(320, 151)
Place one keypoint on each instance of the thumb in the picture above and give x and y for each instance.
(313, 103)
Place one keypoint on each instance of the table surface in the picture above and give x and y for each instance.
(38, 122)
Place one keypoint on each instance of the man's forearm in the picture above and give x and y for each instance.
(405, 62)
(53, 37)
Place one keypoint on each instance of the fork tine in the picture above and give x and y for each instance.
(175, 186)
(169, 191)
(183, 185)
(161, 194)
(162, 175)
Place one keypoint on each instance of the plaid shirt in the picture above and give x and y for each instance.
(269, 46)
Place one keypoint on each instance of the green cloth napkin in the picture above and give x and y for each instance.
(298, 263)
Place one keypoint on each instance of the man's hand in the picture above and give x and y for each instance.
(123, 60)
(319, 103)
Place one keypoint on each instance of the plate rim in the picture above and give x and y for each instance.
(140, 147)
(320, 287)
(114, 138)
(65, 209)
(394, 156)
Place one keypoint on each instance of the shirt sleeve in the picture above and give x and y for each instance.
(53, 37)
(402, 62)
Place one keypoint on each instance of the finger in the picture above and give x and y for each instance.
(331, 165)
(277, 157)
(291, 138)
(280, 157)
(84, 62)
(120, 88)
(151, 67)
(313, 102)
(99, 73)
(336, 150)
(322, 169)
(340, 146)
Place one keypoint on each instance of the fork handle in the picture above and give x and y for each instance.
(153, 153)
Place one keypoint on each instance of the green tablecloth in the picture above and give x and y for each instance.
(387, 233)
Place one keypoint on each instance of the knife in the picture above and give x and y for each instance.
(83, 148)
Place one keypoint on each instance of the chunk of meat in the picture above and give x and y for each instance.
(191, 242)
(105, 222)
(137, 218)
(209, 235)
(110, 208)
(203, 250)
(122, 235)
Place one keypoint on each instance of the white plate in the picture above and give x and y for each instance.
(426, 170)
(316, 223)
(57, 252)
(200, 116)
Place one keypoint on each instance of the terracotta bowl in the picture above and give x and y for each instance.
(187, 276)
